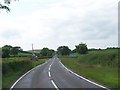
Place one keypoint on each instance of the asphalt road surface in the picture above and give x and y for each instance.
(52, 74)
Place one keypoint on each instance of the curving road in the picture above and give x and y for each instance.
(53, 74)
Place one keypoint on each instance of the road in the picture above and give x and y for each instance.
(52, 74)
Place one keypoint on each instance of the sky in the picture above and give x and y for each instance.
(54, 23)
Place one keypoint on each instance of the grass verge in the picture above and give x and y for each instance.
(103, 75)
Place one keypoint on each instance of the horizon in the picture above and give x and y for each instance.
(62, 45)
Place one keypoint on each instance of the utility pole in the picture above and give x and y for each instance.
(32, 49)
(34, 57)
(33, 54)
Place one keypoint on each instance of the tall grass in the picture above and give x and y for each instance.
(106, 58)
(99, 66)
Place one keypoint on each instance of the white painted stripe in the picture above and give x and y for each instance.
(49, 68)
(50, 65)
(54, 84)
(51, 79)
(25, 75)
(49, 74)
(84, 78)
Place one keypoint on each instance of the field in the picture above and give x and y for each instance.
(24, 54)
(13, 68)
(99, 66)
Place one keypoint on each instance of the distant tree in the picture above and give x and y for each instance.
(93, 49)
(46, 52)
(82, 48)
(74, 51)
(6, 51)
(112, 47)
(15, 50)
(51, 53)
(25, 51)
(63, 50)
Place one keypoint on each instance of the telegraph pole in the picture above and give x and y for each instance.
(33, 57)
(32, 49)
(33, 54)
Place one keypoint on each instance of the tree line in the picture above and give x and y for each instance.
(46, 53)
(80, 49)
(8, 51)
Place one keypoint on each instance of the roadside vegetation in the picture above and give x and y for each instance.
(99, 65)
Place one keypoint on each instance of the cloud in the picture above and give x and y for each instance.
(11, 34)
(65, 22)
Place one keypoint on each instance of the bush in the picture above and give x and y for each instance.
(15, 65)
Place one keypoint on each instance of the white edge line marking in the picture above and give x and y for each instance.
(25, 75)
(54, 84)
(83, 77)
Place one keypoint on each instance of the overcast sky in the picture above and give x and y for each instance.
(52, 23)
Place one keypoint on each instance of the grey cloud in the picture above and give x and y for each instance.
(65, 24)
(9, 34)
(89, 28)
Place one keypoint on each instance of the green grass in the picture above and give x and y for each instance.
(13, 68)
(106, 58)
(24, 54)
(98, 66)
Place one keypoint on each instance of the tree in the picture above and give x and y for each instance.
(6, 51)
(15, 50)
(82, 48)
(44, 52)
(63, 50)
(51, 52)
(6, 5)
(74, 51)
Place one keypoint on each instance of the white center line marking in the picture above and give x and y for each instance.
(49, 68)
(49, 74)
(50, 77)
